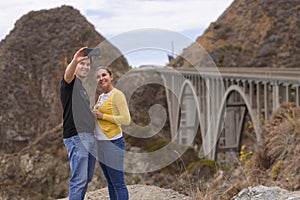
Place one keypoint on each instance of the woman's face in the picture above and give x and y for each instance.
(104, 79)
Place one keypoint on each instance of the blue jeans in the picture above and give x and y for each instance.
(82, 163)
(111, 159)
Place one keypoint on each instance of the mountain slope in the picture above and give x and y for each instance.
(259, 33)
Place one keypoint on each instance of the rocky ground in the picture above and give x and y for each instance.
(139, 192)
(266, 193)
(147, 192)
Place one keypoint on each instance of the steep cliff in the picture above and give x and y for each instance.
(259, 33)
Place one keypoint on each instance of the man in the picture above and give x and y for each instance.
(78, 124)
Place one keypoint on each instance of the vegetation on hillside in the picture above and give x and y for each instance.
(276, 163)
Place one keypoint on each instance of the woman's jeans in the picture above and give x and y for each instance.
(82, 163)
(111, 159)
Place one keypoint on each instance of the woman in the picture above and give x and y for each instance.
(111, 111)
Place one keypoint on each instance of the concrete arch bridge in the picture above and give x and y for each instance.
(217, 101)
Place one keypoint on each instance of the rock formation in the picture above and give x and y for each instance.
(260, 33)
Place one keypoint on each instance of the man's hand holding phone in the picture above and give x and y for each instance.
(91, 52)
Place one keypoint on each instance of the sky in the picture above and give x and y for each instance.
(117, 20)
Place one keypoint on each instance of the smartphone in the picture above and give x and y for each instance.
(91, 52)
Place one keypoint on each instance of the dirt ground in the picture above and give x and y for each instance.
(139, 192)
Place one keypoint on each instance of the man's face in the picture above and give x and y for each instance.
(83, 68)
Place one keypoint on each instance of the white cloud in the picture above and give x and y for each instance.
(111, 18)
(171, 15)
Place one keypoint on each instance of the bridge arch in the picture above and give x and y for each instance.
(222, 113)
(189, 104)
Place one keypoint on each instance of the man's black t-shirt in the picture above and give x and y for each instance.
(77, 114)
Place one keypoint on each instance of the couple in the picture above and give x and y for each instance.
(79, 130)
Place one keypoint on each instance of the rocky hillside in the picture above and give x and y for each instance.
(39, 171)
(259, 33)
(33, 58)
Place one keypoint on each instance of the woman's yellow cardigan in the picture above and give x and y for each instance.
(115, 113)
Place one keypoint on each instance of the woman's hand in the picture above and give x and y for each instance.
(98, 114)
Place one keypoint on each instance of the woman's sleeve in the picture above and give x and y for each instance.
(121, 113)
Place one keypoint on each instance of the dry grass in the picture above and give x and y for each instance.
(275, 163)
